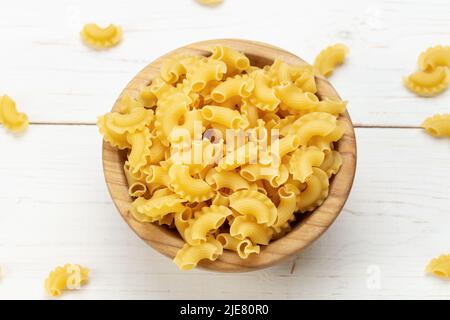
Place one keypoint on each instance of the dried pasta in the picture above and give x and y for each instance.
(438, 56)
(227, 154)
(440, 266)
(428, 83)
(438, 125)
(101, 38)
(10, 118)
(67, 277)
(329, 58)
(210, 2)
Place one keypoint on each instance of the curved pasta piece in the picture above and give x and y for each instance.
(286, 208)
(244, 227)
(302, 162)
(306, 79)
(263, 96)
(329, 58)
(10, 118)
(244, 248)
(181, 220)
(136, 120)
(315, 192)
(69, 276)
(172, 70)
(255, 204)
(440, 266)
(313, 124)
(438, 125)
(276, 176)
(101, 38)
(239, 86)
(428, 84)
(335, 107)
(189, 256)
(332, 163)
(187, 187)
(438, 56)
(229, 118)
(151, 210)
(286, 145)
(137, 189)
(207, 220)
(227, 180)
(251, 113)
(235, 61)
(140, 142)
(157, 175)
(210, 2)
(210, 70)
(295, 100)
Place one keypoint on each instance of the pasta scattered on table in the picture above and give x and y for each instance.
(440, 266)
(101, 38)
(433, 76)
(329, 58)
(225, 200)
(67, 277)
(438, 125)
(10, 118)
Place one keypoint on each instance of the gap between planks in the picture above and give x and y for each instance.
(363, 126)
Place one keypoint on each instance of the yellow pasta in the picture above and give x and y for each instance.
(255, 204)
(189, 256)
(438, 56)
(101, 38)
(10, 118)
(67, 277)
(225, 153)
(440, 266)
(427, 84)
(329, 58)
(210, 2)
(438, 125)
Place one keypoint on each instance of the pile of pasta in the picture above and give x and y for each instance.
(434, 74)
(226, 203)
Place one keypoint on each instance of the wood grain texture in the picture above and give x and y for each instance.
(302, 234)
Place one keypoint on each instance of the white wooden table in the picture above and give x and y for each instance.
(54, 206)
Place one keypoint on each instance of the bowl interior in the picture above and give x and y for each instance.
(307, 229)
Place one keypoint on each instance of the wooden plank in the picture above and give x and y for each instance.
(55, 78)
(55, 209)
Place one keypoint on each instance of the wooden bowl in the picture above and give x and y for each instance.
(308, 229)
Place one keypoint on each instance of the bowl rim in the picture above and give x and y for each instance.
(309, 229)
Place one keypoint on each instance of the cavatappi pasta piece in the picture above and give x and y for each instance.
(315, 192)
(329, 58)
(207, 220)
(67, 277)
(263, 96)
(244, 248)
(187, 187)
(313, 124)
(255, 204)
(235, 61)
(296, 100)
(244, 227)
(189, 256)
(427, 84)
(440, 266)
(302, 162)
(332, 163)
(438, 56)
(10, 118)
(151, 210)
(101, 38)
(438, 125)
